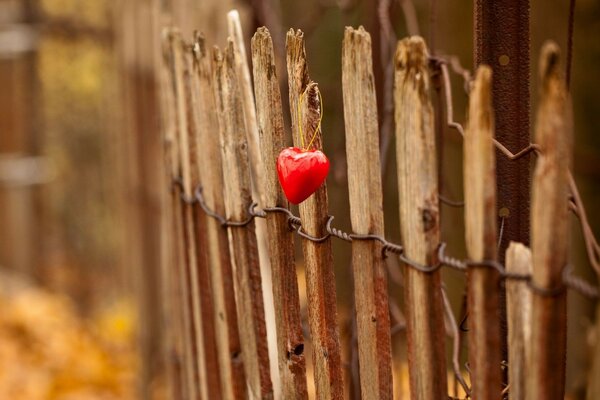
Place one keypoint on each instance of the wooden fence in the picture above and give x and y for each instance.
(221, 142)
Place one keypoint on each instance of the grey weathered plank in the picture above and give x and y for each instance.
(320, 278)
(258, 181)
(189, 275)
(366, 212)
(233, 383)
(243, 247)
(200, 236)
(175, 336)
(290, 340)
(419, 219)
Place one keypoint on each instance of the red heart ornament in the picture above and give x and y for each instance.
(301, 172)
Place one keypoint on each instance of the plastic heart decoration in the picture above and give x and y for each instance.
(301, 172)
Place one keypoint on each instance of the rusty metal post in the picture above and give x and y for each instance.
(502, 42)
(501, 35)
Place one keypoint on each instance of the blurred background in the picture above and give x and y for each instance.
(81, 178)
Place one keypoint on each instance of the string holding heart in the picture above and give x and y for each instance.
(318, 128)
(302, 171)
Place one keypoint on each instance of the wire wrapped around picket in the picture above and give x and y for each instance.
(569, 281)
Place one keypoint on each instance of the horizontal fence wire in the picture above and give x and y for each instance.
(569, 281)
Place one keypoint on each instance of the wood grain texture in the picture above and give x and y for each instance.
(172, 307)
(243, 248)
(200, 223)
(550, 230)
(196, 373)
(290, 340)
(320, 278)
(518, 312)
(258, 182)
(366, 212)
(245, 82)
(483, 286)
(233, 381)
(419, 219)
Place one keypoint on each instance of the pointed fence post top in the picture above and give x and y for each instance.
(412, 61)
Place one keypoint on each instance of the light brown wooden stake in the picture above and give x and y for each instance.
(366, 211)
(244, 252)
(518, 312)
(550, 231)
(180, 271)
(480, 233)
(172, 314)
(290, 340)
(200, 221)
(419, 219)
(320, 278)
(258, 182)
(190, 275)
(245, 82)
(233, 381)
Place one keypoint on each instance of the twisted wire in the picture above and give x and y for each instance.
(295, 224)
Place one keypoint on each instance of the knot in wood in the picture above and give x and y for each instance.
(429, 219)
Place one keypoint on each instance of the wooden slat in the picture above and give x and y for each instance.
(244, 252)
(233, 384)
(366, 211)
(190, 277)
(173, 309)
(290, 340)
(181, 284)
(480, 232)
(419, 219)
(320, 278)
(550, 230)
(518, 312)
(200, 222)
(180, 271)
(258, 181)
(245, 82)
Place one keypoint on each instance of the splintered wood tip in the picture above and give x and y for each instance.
(549, 65)
(356, 34)
(199, 44)
(230, 51)
(261, 39)
(482, 88)
(217, 54)
(312, 100)
(233, 14)
(295, 34)
(483, 75)
(262, 31)
(312, 96)
(412, 53)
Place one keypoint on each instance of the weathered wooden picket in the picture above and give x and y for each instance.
(221, 143)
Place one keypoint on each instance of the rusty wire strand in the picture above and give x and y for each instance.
(455, 335)
(501, 234)
(591, 243)
(295, 223)
(451, 203)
